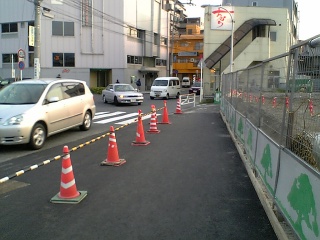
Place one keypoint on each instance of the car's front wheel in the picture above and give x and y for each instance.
(104, 99)
(38, 136)
(87, 121)
(116, 101)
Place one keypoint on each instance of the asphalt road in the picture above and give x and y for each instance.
(123, 111)
(188, 183)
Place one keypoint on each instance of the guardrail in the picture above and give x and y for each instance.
(185, 99)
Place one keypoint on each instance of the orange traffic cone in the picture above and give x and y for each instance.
(112, 155)
(165, 117)
(68, 189)
(178, 108)
(140, 139)
(153, 124)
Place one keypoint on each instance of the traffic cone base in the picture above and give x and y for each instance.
(153, 131)
(134, 143)
(111, 163)
(165, 122)
(58, 199)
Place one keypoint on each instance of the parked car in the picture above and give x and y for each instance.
(195, 88)
(165, 87)
(32, 110)
(121, 93)
(6, 82)
(186, 82)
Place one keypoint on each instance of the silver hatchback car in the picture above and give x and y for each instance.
(121, 93)
(32, 110)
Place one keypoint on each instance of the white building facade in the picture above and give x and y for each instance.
(97, 41)
(259, 33)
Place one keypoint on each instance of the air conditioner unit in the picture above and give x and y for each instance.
(191, 59)
(168, 7)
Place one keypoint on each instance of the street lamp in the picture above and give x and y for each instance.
(232, 32)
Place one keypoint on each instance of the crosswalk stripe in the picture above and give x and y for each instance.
(104, 115)
(132, 120)
(107, 119)
(99, 113)
(116, 118)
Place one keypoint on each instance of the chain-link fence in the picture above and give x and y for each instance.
(281, 96)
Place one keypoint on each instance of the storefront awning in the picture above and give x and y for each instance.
(148, 69)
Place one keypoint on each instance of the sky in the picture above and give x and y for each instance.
(308, 25)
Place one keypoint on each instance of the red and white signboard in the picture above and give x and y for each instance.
(221, 18)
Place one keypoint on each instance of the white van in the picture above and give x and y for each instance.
(186, 82)
(165, 87)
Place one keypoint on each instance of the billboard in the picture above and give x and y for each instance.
(221, 18)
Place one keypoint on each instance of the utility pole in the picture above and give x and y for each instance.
(37, 42)
(172, 36)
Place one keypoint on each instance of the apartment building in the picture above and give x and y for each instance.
(188, 49)
(96, 41)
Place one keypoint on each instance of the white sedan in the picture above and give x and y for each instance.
(121, 93)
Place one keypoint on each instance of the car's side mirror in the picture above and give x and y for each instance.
(53, 99)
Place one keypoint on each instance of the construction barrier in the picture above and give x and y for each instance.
(187, 99)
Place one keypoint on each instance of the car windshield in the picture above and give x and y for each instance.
(196, 84)
(160, 83)
(123, 88)
(21, 93)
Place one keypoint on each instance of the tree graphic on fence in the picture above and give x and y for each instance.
(301, 199)
(266, 162)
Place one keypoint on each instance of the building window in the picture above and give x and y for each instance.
(9, 27)
(184, 44)
(132, 32)
(68, 29)
(273, 36)
(161, 62)
(140, 34)
(7, 58)
(198, 46)
(254, 4)
(156, 39)
(87, 13)
(189, 31)
(63, 60)
(163, 41)
(134, 59)
(62, 28)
